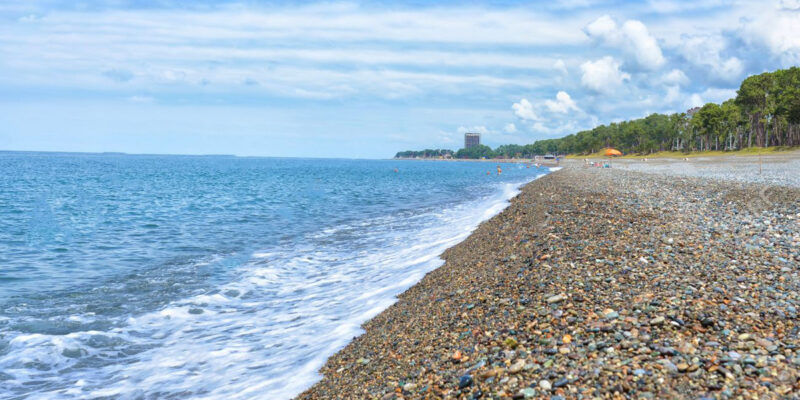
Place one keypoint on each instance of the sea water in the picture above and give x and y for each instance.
(126, 276)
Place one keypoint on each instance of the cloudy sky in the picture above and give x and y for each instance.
(348, 79)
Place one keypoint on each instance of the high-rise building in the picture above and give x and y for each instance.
(471, 139)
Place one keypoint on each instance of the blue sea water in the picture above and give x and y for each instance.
(127, 276)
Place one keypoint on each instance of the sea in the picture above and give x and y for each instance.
(214, 277)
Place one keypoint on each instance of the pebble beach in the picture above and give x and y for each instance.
(780, 169)
(598, 283)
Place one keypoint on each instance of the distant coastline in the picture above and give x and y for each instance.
(764, 114)
(546, 163)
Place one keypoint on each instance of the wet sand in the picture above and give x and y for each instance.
(598, 283)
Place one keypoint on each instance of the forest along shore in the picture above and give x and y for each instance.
(596, 282)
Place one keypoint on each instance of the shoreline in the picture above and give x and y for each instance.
(678, 155)
(549, 298)
(544, 163)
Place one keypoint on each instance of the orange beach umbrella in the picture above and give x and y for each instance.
(613, 152)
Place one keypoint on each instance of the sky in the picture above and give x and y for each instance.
(365, 80)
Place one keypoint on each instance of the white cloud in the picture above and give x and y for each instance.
(693, 101)
(562, 104)
(776, 29)
(731, 69)
(446, 139)
(603, 75)
(524, 110)
(141, 99)
(541, 128)
(706, 51)
(28, 18)
(474, 129)
(558, 128)
(572, 4)
(790, 5)
(510, 128)
(646, 50)
(561, 66)
(319, 22)
(675, 77)
(604, 27)
(680, 6)
(673, 94)
(632, 38)
(718, 95)
(322, 51)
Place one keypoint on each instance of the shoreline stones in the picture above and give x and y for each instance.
(598, 284)
(556, 299)
(545, 385)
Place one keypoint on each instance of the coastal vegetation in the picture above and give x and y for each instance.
(764, 113)
(427, 153)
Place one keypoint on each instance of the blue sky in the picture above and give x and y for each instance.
(347, 79)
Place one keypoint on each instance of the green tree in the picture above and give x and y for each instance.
(475, 152)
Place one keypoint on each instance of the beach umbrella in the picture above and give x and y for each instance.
(613, 152)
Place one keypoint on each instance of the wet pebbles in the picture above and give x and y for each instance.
(598, 283)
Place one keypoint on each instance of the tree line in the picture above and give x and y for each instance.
(765, 112)
(427, 153)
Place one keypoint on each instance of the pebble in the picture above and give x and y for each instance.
(464, 381)
(545, 385)
(610, 314)
(527, 393)
(517, 366)
(556, 299)
(668, 365)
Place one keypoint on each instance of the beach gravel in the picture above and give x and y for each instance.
(598, 283)
(780, 169)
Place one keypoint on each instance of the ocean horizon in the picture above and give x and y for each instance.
(214, 276)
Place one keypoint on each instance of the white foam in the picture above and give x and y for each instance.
(265, 254)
